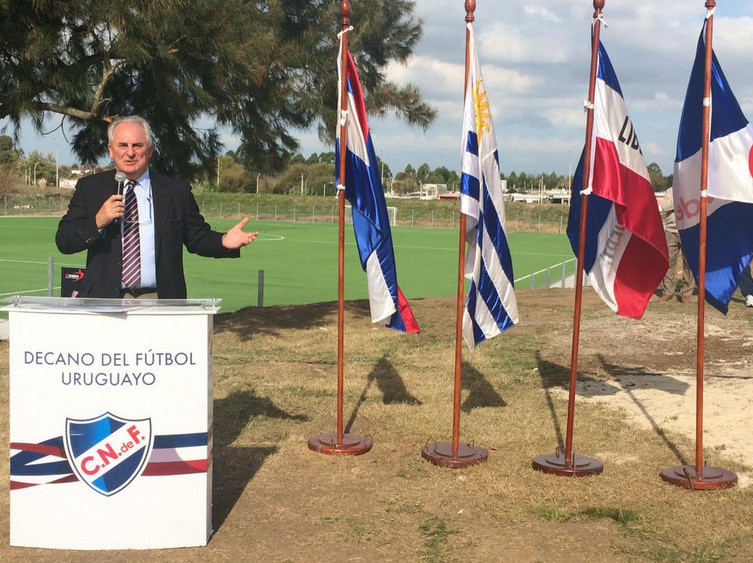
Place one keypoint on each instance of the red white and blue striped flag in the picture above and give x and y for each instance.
(625, 248)
(492, 306)
(363, 189)
(729, 239)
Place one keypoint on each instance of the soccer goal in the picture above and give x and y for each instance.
(391, 213)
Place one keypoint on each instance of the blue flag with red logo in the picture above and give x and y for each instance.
(729, 236)
(363, 189)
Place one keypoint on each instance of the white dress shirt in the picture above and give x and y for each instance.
(146, 230)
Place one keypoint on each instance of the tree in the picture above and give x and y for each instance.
(260, 67)
(453, 181)
(8, 152)
(406, 181)
(384, 169)
(233, 176)
(40, 166)
(439, 175)
(423, 172)
(295, 180)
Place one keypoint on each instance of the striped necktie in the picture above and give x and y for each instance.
(131, 239)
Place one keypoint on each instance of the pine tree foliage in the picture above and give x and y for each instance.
(264, 68)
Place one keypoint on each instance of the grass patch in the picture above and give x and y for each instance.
(436, 533)
(299, 260)
(711, 552)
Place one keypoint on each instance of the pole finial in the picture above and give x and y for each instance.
(345, 12)
(710, 4)
(598, 6)
(470, 8)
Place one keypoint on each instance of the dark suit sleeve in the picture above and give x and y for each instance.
(77, 229)
(199, 237)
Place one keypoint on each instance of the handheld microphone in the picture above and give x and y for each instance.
(120, 177)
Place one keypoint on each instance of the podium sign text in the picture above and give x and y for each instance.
(110, 426)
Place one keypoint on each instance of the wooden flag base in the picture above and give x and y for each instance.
(352, 444)
(557, 464)
(711, 478)
(440, 454)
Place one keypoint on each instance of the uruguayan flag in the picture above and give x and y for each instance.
(492, 307)
(729, 238)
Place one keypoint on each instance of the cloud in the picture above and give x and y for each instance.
(503, 43)
(535, 57)
(541, 12)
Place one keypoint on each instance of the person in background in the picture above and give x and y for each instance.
(746, 285)
(674, 246)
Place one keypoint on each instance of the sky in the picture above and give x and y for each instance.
(535, 58)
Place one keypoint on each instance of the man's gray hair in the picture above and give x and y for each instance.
(131, 119)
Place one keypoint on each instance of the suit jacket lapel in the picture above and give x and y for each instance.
(109, 188)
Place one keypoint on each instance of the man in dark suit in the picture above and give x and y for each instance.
(162, 216)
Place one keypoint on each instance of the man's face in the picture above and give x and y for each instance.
(129, 149)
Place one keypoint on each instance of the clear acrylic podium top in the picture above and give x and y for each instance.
(131, 306)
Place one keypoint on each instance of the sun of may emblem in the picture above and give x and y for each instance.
(483, 116)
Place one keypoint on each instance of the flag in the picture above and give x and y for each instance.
(625, 248)
(363, 189)
(729, 238)
(491, 307)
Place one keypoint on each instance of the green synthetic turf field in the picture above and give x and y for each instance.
(299, 262)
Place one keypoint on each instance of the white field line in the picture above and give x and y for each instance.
(28, 291)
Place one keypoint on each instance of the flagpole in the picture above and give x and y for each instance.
(340, 443)
(702, 477)
(456, 455)
(570, 465)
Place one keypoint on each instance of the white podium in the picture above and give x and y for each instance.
(110, 423)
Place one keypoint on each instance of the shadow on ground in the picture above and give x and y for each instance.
(389, 383)
(251, 321)
(652, 380)
(554, 375)
(481, 392)
(235, 466)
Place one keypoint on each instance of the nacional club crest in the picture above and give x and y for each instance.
(108, 452)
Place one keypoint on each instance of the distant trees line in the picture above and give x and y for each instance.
(312, 175)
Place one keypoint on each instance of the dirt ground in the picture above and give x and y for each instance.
(651, 372)
(274, 500)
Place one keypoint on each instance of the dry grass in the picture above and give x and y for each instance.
(277, 501)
